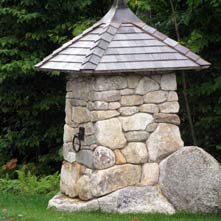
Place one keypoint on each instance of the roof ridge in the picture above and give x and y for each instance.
(101, 45)
(173, 44)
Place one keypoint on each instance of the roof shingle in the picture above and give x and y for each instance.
(121, 42)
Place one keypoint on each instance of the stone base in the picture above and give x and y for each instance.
(145, 199)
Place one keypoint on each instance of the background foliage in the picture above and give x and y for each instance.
(32, 103)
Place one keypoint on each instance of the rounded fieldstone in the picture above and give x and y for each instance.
(173, 96)
(109, 134)
(191, 181)
(69, 133)
(114, 105)
(80, 115)
(68, 153)
(109, 83)
(103, 158)
(156, 97)
(138, 121)
(127, 92)
(136, 153)
(127, 200)
(136, 199)
(149, 108)
(131, 100)
(146, 85)
(151, 127)
(98, 105)
(70, 173)
(137, 136)
(169, 107)
(168, 82)
(103, 115)
(84, 188)
(117, 177)
(62, 203)
(108, 96)
(133, 81)
(127, 111)
(164, 141)
(167, 118)
(150, 174)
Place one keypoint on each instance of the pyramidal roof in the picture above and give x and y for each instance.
(121, 42)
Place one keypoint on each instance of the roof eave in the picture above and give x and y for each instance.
(151, 70)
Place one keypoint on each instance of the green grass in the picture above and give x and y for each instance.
(33, 208)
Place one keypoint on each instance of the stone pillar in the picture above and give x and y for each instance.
(131, 125)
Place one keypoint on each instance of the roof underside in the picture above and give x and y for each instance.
(120, 42)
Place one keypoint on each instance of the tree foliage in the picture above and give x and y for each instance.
(32, 103)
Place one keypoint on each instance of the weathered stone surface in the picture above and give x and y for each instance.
(109, 134)
(169, 107)
(167, 118)
(81, 88)
(89, 140)
(168, 82)
(120, 159)
(87, 172)
(89, 128)
(103, 158)
(93, 146)
(114, 105)
(137, 136)
(151, 127)
(173, 96)
(150, 174)
(78, 102)
(103, 115)
(68, 111)
(135, 153)
(68, 153)
(156, 97)
(146, 85)
(83, 188)
(127, 92)
(85, 157)
(149, 108)
(63, 203)
(70, 173)
(131, 100)
(157, 78)
(110, 83)
(136, 200)
(114, 178)
(127, 200)
(195, 179)
(108, 96)
(69, 86)
(98, 105)
(80, 115)
(68, 133)
(133, 81)
(138, 121)
(127, 111)
(163, 141)
(69, 95)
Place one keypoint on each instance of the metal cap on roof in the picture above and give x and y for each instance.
(121, 42)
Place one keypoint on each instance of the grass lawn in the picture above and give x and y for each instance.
(33, 208)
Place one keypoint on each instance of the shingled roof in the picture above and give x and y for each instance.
(121, 42)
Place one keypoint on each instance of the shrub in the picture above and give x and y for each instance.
(28, 183)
